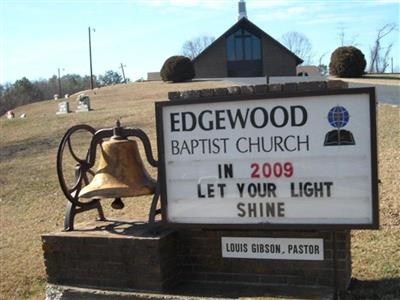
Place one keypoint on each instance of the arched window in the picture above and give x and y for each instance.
(243, 45)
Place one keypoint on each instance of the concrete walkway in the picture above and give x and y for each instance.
(193, 291)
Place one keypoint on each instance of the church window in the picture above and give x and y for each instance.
(243, 45)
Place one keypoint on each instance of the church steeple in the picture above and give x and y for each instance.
(242, 10)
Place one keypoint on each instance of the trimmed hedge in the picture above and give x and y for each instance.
(177, 69)
(347, 62)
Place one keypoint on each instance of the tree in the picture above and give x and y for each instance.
(21, 92)
(347, 62)
(177, 69)
(6, 98)
(110, 77)
(299, 44)
(342, 37)
(194, 47)
(379, 55)
(26, 91)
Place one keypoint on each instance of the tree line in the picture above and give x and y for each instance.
(23, 91)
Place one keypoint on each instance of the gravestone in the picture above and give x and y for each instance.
(83, 103)
(10, 114)
(63, 108)
(55, 96)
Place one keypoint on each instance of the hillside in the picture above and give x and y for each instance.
(31, 202)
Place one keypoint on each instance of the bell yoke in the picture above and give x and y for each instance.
(120, 172)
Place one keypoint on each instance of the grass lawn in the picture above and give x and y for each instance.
(31, 202)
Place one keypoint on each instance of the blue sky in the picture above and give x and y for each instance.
(38, 37)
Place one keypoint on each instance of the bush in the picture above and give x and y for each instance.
(177, 69)
(347, 62)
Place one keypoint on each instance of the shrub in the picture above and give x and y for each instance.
(347, 62)
(177, 69)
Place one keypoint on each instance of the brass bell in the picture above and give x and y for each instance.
(121, 173)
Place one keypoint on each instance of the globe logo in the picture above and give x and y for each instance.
(338, 116)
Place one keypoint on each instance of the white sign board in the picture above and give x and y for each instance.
(272, 248)
(294, 160)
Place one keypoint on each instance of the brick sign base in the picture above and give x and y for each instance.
(130, 256)
(112, 255)
(200, 258)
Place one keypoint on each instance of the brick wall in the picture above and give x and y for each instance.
(135, 260)
(257, 89)
(199, 253)
(276, 61)
(212, 64)
(159, 261)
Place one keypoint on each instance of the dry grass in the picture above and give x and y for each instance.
(32, 203)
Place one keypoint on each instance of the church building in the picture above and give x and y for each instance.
(245, 50)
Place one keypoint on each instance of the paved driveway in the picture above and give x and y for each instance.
(385, 93)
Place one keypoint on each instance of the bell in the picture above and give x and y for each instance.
(120, 173)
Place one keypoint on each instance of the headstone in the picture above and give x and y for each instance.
(66, 96)
(83, 103)
(10, 114)
(55, 97)
(63, 108)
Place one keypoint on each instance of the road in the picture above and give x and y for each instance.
(384, 93)
(389, 94)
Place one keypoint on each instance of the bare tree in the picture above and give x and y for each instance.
(299, 44)
(342, 37)
(379, 55)
(341, 34)
(194, 47)
(323, 69)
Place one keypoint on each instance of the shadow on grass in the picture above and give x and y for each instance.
(374, 289)
(29, 146)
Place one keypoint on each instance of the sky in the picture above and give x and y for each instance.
(39, 37)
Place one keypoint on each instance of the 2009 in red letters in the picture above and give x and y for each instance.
(272, 170)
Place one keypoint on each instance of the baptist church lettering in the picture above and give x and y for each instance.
(230, 119)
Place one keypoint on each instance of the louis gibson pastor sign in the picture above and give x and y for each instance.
(290, 160)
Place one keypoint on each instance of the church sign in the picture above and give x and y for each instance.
(304, 160)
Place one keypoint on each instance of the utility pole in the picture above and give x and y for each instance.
(90, 58)
(392, 63)
(123, 73)
(59, 84)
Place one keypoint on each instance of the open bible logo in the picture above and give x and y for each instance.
(338, 117)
